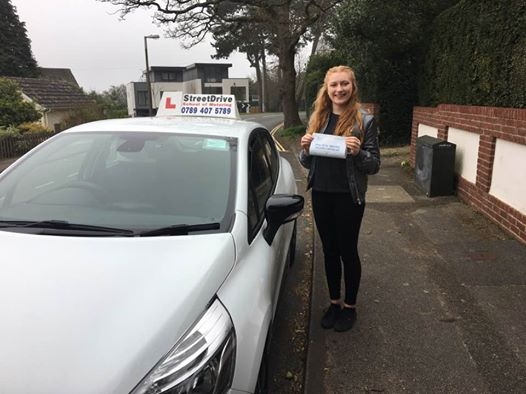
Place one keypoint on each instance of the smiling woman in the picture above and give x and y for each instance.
(339, 185)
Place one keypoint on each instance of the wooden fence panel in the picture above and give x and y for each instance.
(17, 145)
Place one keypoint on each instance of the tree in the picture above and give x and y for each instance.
(384, 43)
(16, 58)
(250, 40)
(315, 34)
(286, 20)
(109, 104)
(112, 102)
(13, 109)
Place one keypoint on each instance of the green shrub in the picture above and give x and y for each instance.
(477, 56)
(9, 131)
(33, 127)
(293, 131)
(88, 114)
(13, 109)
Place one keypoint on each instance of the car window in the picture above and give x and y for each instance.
(260, 181)
(134, 180)
(272, 154)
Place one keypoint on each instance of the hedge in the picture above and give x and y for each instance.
(477, 56)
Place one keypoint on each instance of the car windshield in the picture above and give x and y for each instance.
(138, 181)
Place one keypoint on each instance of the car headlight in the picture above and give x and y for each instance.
(201, 362)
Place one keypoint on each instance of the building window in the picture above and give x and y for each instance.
(214, 74)
(141, 97)
(212, 90)
(240, 92)
(168, 76)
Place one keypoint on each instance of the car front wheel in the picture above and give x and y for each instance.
(262, 383)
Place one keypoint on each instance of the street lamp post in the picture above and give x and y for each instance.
(148, 83)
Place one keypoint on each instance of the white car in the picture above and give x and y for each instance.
(144, 255)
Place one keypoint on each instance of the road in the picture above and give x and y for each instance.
(268, 120)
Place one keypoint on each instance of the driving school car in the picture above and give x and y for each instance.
(145, 255)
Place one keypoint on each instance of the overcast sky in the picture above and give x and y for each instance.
(89, 38)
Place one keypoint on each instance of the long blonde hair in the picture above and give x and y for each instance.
(322, 107)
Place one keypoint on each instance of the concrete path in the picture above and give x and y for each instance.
(441, 307)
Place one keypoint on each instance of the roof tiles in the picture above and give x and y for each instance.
(53, 94)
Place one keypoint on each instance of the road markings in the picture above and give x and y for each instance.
(272, 133)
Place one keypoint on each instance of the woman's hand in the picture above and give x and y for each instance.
(353, 145)
(306, 141)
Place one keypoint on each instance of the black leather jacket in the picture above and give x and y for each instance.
(366, 162)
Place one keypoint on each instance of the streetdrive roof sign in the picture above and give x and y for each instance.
(187, 104)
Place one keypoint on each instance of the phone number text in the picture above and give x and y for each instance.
(206, 110)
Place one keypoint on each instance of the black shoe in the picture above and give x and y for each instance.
(345, 320)
(330, 316)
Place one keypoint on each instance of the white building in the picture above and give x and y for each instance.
(198, 78)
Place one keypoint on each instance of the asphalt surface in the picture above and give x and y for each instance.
(441, 307)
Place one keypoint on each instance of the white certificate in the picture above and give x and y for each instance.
(328, 145)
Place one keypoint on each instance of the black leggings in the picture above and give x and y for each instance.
(338, 221)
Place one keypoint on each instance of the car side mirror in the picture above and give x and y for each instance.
(280, 209)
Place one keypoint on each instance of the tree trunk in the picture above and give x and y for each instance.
(254, 60)
(286, 46)
(259, 83)
(288, 86)
(264, 94)
(315, 42)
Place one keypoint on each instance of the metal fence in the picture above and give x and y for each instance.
(17, 145)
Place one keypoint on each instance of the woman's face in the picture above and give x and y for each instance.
(339, 88)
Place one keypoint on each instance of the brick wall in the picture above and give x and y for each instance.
(490, 124)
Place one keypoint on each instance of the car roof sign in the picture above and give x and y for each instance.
(188, 104)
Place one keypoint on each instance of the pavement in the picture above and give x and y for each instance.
(441, 307)
(4, 163)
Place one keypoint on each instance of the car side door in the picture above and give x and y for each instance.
(263, 173)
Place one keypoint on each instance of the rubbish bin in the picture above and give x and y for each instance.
(435, 166)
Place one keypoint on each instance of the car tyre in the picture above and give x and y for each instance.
(292, 246)
(262, 382)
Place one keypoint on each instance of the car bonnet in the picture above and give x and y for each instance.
(87, 315)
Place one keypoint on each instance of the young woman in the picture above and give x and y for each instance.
(339, 186)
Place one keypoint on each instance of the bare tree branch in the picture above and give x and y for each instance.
(287, 21)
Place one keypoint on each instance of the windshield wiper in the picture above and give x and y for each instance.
(64, 225)
(179, 229)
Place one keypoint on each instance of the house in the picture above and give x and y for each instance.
(58, 74)
(197, 78)
(55, 98)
